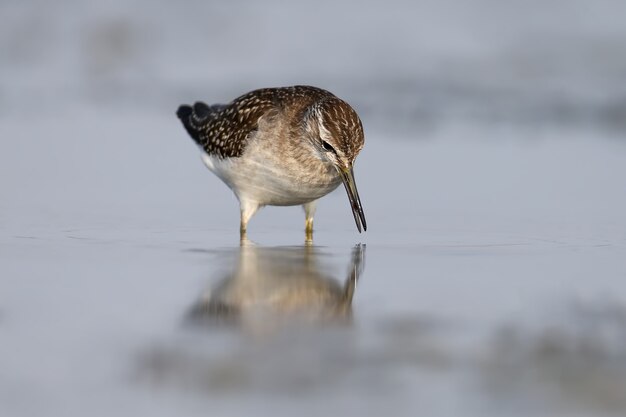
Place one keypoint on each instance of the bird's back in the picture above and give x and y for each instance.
(223, 130)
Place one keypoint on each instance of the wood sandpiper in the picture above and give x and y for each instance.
(280, 147)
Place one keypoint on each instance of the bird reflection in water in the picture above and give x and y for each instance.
(273, 286)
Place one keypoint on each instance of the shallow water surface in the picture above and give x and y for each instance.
(490, 281)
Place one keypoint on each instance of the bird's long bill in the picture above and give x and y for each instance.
(347, 176)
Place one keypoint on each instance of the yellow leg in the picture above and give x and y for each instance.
(248, 208)
(308, 229)
(309, 211)
(242, 232)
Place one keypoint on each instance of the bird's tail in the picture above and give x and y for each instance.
(196, 117)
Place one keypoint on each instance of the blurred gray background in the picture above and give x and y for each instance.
(405, 64)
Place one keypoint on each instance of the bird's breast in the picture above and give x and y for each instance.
(270, 179)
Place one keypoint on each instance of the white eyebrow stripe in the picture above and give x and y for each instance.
(324, 132)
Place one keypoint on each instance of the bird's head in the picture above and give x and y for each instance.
(336, 133)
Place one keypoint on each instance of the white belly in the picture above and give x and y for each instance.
(262, 181)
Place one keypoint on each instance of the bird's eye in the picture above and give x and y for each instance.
(327, 146)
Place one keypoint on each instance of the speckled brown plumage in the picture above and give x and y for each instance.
(281, 147)
(223, 130)
(341, 122)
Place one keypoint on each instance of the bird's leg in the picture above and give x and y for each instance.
(248, 208)
(308, 230)
(309, 211)
(242, 231)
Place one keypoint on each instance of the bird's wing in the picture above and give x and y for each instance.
(223, 130)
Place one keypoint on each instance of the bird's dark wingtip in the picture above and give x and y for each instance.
(201, 110)
(184, 111)
(196, 117)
